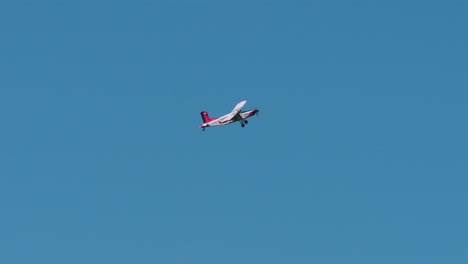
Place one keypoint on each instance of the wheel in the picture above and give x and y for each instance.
(242, 125)
(246, 122)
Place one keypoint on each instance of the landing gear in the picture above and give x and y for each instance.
(246, 122)
(242, 125)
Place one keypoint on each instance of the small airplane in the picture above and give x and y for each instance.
(235, 115)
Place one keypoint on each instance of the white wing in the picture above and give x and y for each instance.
(238, 107)
(228, 117)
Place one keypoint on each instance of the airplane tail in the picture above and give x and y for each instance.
(205, 117)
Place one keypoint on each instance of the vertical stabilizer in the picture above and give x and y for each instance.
(205, 117)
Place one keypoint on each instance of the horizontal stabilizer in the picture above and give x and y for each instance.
(206, 118)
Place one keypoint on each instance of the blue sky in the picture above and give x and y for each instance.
(359, 154)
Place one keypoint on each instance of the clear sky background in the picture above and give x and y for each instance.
(359, 154)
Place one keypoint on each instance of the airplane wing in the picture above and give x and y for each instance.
(238, 107)
(229, 117)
